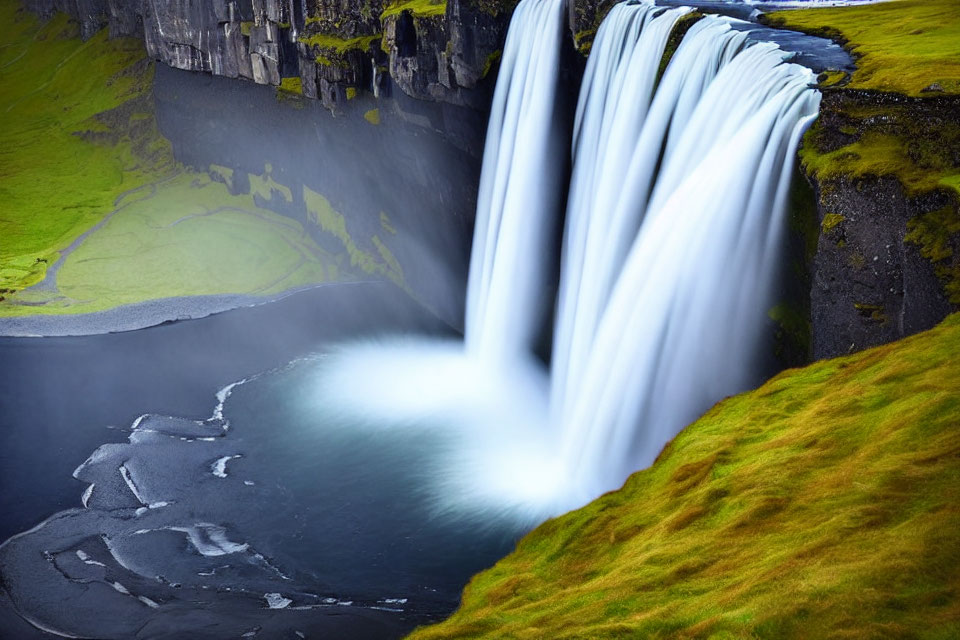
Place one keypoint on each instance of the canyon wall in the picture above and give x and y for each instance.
(383, 111)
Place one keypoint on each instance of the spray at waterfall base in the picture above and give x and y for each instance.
(671, 243)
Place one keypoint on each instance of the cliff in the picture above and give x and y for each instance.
(428, 49)
(884, 162)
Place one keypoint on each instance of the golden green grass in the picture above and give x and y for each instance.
(901, 45)
(825, 504)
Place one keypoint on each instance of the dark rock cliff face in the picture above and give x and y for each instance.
(888, 252)
(430, 49)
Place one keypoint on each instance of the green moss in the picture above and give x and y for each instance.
(292, 85)
(821, 505)
(322, 213)
(372, 116)
(246, 28)
(491, 60)
(290, 92)
(418, 8)
(934, 234)
(583, 40)
(794, 325)
(676, 36)
(887, 141)
(902, 46)
(832, 78)
(351, 93)
(386, 225)
(873, 312)
(265, 186)
(222, 174)
(830, 221)
(339, 45)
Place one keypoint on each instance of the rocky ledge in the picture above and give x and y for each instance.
(328, 49)
(887, 263)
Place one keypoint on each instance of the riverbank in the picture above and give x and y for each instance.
(142, 315)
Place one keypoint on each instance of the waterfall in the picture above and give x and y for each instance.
(683, 275)
(670, 247)
(520, 188)
(616, 92)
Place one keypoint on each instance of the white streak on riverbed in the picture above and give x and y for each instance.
(85, 557)
(125, 473)
(277, 601)
(85, 498)
(210, 539)
(219, 468)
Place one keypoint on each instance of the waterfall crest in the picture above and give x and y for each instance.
(519, 188)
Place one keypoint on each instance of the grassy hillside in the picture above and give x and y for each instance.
(95, 213)
(902, 46)
(825, 504)
(56, 183)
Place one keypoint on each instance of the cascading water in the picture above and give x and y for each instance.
(668, 323)
(616, 91)
(670, 248)
(519, 188)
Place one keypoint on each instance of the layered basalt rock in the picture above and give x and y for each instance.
(428, 49)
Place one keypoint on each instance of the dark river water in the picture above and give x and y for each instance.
(224, 510)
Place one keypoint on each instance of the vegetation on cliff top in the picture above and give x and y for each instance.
(823, 504)
(907, 47)
(419, 8)
(923, 153)
(903, 46)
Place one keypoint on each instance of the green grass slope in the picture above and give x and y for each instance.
(825, 504)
